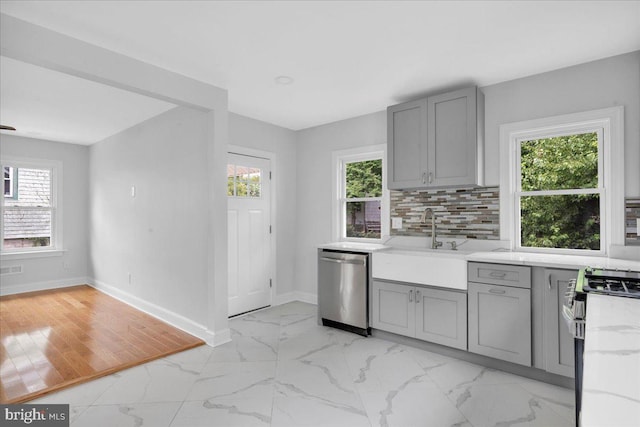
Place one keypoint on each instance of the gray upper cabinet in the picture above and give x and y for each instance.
(558, 341)
(453, 135)
(407, 148)
(436, 141)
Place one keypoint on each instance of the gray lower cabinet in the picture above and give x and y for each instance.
(558, 342)
(429, 314)
(500, 322)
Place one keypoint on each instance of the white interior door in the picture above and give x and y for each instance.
(249, 229)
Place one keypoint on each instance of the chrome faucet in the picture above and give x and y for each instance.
(435, 244)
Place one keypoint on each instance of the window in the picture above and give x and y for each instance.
(559, 191)
(30, 219)
(243, 181)
(562, 183)
(362, 200)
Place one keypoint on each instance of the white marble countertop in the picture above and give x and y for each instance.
(551, 260)
(501, 257)
(354, 246)
(611, 379)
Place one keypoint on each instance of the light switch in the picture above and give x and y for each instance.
(396, 223)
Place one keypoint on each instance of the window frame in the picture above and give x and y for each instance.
(610, 123)
(340, 159)
(12, 183)
(55, 246)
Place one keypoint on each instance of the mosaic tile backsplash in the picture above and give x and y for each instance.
(632, 211)
(469, 213)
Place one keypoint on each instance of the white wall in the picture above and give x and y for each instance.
(314, 194)
(599, 84)
(71, 267)
(254, 134)
(160, 235)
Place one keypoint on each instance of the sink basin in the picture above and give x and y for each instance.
(443, 268)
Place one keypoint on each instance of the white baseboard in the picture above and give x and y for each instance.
(42, 286)
(174, 319)
(295, 296)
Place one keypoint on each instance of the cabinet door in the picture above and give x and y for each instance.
(558, 340)
(500, 322)
(393, 308)
(407, 145)
(452, 138)
(441, 317)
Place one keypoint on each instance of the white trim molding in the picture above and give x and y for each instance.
(174, 319)
(611, 121)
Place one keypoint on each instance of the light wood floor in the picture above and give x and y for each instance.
(57, 338)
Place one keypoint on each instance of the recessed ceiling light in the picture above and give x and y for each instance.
(283, 80)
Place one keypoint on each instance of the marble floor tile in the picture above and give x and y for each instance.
(506, 405)
(283, 369)
(135, 415)
(252, 411)
(414, 403)
(302, 410)
(233, 380)
(247, 349)
(157, 381)
(82, 394)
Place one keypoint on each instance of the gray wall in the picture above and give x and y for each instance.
(314, 194)
(71, 267)
(160, 235)
(250, 133)
(599, 84)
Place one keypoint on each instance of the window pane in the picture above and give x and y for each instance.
(564, 221)
(560, 163)
(363, 219)
(364, 179)
(254, 189)
(230, 186)
(27, 228)
(34, 188)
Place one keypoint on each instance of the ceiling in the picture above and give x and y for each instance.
(346, 58)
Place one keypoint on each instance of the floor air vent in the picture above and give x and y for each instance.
(14, 269)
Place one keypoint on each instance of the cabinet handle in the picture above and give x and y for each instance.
(498, 274)
(430, 177)
(497, 291)
(411, 295)
(549, 282)
(424, 177)
(417, 297)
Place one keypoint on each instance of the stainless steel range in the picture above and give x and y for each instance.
(616, 283)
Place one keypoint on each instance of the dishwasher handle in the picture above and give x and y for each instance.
(344, 261)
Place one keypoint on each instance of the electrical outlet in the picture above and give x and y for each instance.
(396, 223)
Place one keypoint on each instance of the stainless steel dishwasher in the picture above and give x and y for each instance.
(343, 290)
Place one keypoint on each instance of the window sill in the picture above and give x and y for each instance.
(31, 254)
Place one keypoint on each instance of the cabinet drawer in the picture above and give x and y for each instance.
(500, 274)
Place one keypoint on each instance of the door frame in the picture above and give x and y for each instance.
(252, 152)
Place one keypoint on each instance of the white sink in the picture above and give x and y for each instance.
(441, 267)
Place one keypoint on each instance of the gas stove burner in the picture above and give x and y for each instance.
(612, 282)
